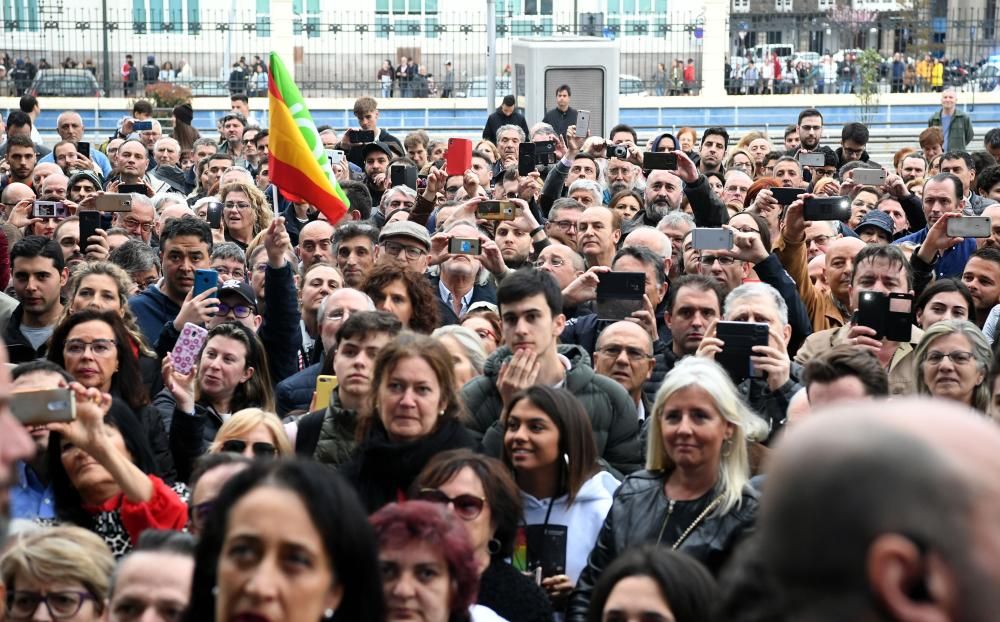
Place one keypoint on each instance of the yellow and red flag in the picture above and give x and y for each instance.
(300, 168)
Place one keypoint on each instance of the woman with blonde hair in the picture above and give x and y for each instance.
(245, 212)
(741, 159)
(253, 432)
(66, 568)
(695, 494)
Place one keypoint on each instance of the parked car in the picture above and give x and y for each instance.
(65, 83)
(806, 57)
(631, 85)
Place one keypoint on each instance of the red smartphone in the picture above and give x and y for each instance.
(459, 156)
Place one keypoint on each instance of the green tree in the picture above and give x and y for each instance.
(869, 64)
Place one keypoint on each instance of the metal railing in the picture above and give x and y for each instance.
(339, 57)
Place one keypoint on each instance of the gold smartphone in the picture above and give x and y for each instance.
(324, 389)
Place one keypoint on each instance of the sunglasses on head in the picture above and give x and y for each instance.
(260, 449)
(467, 507)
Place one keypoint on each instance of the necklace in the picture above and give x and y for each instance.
(694, 524)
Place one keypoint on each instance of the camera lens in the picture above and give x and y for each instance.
(621, 152)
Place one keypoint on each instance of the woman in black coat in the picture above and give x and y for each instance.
(413, 414)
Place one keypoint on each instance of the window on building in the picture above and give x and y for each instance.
(406, 7)
(741, 6)
(783, 6)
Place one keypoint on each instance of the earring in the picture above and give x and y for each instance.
(329, 613)
(727, 447)
(493, 546)
(215, 591)
(441, 413)
(566, 459)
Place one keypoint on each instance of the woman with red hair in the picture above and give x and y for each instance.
(428, 565)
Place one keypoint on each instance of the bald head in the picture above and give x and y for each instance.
(54, 186)
(315, 243)
(908, 515)
(15, 192)
(850, 246)
(624, 353)
(651, 238)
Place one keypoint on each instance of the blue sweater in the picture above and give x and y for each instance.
(952, 261)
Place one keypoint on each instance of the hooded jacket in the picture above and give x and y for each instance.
(583, 518)
(152, 309)
(610, 409)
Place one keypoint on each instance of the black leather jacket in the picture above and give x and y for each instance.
(636, 517)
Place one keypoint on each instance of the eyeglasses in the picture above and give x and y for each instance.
(746, 229)
(132, 223)
(235, 273)
(261, 267)
(260, 449)
(336, 315)
(633, 354)
(819, 240)
(240, 311)
(412, 252)
(235, 205)
(100, 347)
(23, 605)
(485, 333)
(555, 262)
(467, 507)
(708, 260)
(958, 357)
(565, 225)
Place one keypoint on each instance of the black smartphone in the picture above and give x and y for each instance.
(83, 149)
(872, 310)
(213, 215)
(127, 188)
(656, 161)
(827, 208)
(619, 294)
(739, 338)
(90, 222)
(786, 196)
(899, 319)
(464, 246)
(403, 175)
(361, 137)
(545, 153)
(526, 161)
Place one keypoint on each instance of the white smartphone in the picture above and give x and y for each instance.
(582, 122)
(868, 176)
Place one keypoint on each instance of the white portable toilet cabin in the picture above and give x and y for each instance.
(589, 65)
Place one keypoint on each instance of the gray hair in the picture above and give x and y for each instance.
(981, 352)
(590, 186)
(757, 290)
(510, 128)
(164, 199)
(321, 311)
(135, 256)
(674, 219)
(408, 191)
(204, 141)
(229, 250)
(143, 199)
(164, 139)
(470, 342)
(542, 129)
(352, 229)
(666, 251)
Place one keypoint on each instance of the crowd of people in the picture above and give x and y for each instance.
(443, 405)
(900, 73)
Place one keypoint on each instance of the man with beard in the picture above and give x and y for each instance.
(993, 241)
(15, 443)
(514, 239)
(354, 247)
(713, 149)
(563, 219)
(232, 125)
(621, 175)
(458, 287)
(21, 160)
(982, 277)
(810, 129)
(664, 191)
(912, 166)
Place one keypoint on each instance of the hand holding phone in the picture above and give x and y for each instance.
(188, 348)
(43, 406)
